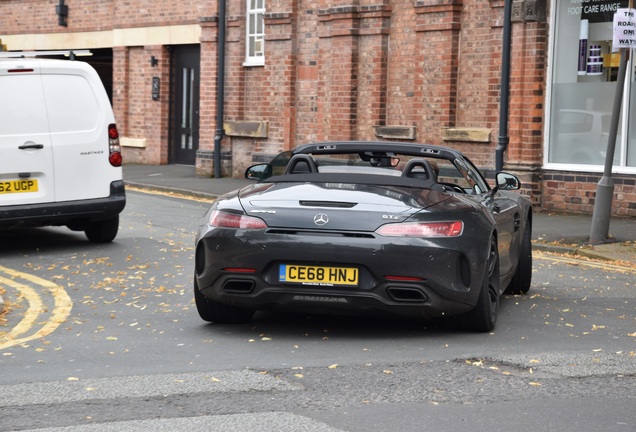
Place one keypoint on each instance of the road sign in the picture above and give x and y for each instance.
(624, 29)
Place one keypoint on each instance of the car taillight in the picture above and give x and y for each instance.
(246, 270)
(230, 220)
(422, 229)
(114, 149)
(395, 278)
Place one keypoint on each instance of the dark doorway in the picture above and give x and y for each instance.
(100, 58)
(184, 140)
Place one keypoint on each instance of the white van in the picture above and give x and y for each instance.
(60, 158)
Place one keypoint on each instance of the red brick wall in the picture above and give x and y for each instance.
(135, 13)
(121, 70)
(338, 84)
(207, 94)
(273, 90)
(480, 66)
(403, 66)
(307, 84)
(576, 192)
(137, 114)
(39, 16)
(372, 69)
(528, 77)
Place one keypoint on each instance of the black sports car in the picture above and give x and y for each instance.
(365, 227)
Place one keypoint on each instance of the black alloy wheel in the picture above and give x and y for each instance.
(484, 316)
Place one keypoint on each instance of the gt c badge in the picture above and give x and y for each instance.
(321, 219)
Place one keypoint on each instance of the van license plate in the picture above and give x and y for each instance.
(318, 275)
(18, 186)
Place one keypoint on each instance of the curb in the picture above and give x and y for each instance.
(170, 190)
(573, 251)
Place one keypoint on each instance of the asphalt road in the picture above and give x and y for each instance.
(106, 337)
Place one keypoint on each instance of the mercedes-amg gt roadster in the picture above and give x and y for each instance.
(375, 228)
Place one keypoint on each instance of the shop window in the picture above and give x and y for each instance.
(583, 87)
(255, 33)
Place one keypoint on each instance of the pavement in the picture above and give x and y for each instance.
(552, 232)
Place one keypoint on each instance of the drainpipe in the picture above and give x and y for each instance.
(504, 139)
(220, 90)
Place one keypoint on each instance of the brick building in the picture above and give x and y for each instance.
(297, 71)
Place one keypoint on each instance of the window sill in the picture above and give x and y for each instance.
(253, 63)
(132, 142)
(466, 134)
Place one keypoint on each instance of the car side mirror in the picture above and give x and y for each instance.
(258, 172)
(506, 181)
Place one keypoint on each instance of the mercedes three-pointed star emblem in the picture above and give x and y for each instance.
(321, 219)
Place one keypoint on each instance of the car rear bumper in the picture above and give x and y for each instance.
(442, 281)
(66, 213)
(405, 300)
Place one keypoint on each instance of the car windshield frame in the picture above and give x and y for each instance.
(378, 161)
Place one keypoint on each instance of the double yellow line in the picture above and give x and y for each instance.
(38, 313)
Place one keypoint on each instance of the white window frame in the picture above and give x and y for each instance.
(625, 112)
(254, 39)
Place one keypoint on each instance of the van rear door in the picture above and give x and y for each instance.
(79, 115)
(26, 156)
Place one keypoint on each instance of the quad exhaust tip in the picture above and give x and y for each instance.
(238, 286)
(408, 295)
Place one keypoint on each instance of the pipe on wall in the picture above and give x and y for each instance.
(220, 90)
(504, 102)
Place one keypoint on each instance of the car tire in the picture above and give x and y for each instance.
(484, 316)
(520, 283)
(103, 231)
(212, 311)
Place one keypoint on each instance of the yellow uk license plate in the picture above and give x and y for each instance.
(18, 186)
(318, 275)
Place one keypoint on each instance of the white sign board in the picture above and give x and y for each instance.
(624, 29)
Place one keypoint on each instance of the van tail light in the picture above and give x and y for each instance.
(114, 149)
